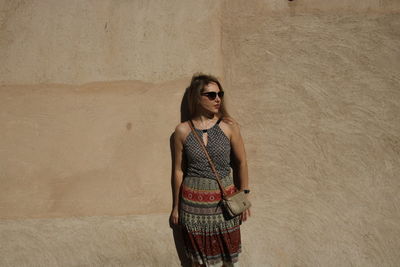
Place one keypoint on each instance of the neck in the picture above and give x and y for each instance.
(206, 116)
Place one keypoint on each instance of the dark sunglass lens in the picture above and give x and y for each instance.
(211, 95)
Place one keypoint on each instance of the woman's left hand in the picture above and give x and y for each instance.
(245, 214)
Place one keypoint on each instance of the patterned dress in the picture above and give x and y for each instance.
(209, 236)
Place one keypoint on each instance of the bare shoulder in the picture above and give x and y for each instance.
(182, 130)
(230, 126)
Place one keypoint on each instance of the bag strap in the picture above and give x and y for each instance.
(224, 194)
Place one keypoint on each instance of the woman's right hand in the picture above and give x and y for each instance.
(174, 217)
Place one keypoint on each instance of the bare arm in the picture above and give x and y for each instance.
(178, 168)
(239, 155)
(240, 162)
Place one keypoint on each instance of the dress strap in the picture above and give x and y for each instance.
(204, 130)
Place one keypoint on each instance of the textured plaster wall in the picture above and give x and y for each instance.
(319, 100)
(78, 41)
(91, 92)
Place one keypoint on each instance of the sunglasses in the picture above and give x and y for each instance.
(213, 95)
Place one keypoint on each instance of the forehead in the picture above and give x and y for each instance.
(211, 87)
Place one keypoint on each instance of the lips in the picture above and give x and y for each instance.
(217, 106)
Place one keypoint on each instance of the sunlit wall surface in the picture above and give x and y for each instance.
(91, 92)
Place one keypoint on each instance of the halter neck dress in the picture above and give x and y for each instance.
(210, 237)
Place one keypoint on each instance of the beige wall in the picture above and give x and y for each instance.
(91, 92)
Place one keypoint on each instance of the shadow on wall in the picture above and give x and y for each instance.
(177, 229)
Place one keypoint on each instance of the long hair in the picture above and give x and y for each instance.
(197, 84)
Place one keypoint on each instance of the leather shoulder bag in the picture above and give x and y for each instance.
(233, 204)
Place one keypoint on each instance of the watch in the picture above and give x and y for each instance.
(246, 191)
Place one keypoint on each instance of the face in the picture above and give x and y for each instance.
(207, 103)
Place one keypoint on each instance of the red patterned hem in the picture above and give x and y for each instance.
(213, 248)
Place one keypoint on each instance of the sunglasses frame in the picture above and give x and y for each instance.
(213, 95)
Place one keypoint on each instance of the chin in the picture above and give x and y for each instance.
(213, 111)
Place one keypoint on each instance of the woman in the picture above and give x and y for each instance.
(210, 238)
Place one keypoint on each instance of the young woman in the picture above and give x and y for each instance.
(210, 238)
